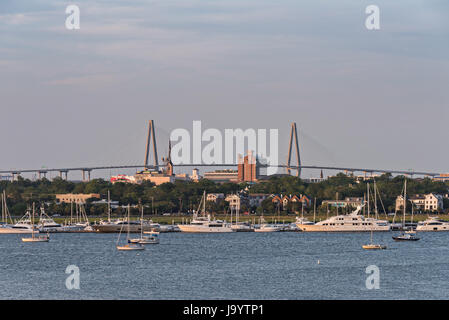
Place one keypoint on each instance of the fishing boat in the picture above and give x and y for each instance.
(409, 235)
(47, 224)
(34, 238)
(371, 245)
(128, 246)
(22, 226)
(204, 223)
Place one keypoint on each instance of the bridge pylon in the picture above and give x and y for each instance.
(151, 139)
(294, 135)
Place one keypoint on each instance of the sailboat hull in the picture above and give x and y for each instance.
(130, 248)
(405, 239)
(374, 247)
(38, 239)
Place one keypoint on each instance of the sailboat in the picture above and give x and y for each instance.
(128, 246)
(405, 235)
(34, 238)
(371, 245)
(151, 238)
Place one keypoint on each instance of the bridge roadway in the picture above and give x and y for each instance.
(89, 169)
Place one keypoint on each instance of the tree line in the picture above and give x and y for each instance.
(184, 196)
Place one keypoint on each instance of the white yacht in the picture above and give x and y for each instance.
(134, 226)
(204, 223)
(433, 224)
(353, 222)
(47, 224)
(24, 225)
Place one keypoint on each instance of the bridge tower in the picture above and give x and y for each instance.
(151, 139)
(294, 135)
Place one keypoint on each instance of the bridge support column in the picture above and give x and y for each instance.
(88, 175)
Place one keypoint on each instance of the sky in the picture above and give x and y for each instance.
(360, 98)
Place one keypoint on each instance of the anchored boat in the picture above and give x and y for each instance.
(128, 246)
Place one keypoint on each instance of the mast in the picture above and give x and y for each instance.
(71, 212)
(314, 210)
(204, 202)
(109, 206)
(3, 207)
(141, 224)
(405, 202)
(32, 222)
(367, 187)
(302, 209)
(375, 199)
(127, 236)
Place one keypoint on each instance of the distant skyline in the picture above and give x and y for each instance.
(360, 98)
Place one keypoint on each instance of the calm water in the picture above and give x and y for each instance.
(226, 266)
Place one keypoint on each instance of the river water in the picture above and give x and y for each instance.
(282, 265)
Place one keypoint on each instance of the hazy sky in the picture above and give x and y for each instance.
(360, 98)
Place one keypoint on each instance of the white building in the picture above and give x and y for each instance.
(434, 202)
(234, 201)
(427, 202)
(215, 197)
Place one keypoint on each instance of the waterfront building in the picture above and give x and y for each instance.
(347, 202)
(248, 169)
(123, 178)
(444, 177)
(234, 200)
(215, 197)
(195, 175)
(222, 176)
(76, 198)
(286, 200)
(421, 202)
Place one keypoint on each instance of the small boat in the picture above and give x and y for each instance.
(371, 245)
(128, 246)
(151, 238)
(34, 238)
(406, 235)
